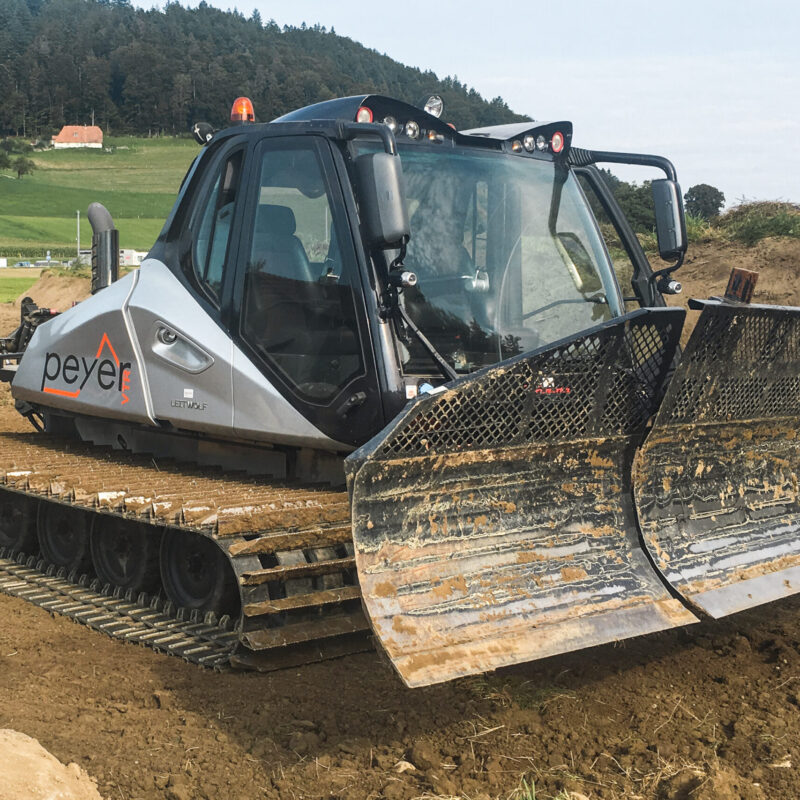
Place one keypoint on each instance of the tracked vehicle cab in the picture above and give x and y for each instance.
(490, 251)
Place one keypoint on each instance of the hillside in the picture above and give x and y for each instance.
(137, 71)
(137, 179)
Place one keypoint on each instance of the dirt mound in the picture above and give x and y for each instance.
(29, 772)
(50, 291)
(58, 291)
(708, 266)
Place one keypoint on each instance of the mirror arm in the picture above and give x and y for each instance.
(582, 158)
(662, 280)
(397, 263)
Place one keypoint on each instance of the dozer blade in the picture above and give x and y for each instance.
(716, 483)
(493, 521)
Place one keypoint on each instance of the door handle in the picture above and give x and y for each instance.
(178, 350)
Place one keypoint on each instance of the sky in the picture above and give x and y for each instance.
(713, 86)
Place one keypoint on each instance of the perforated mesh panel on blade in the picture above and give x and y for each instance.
(603, 383)
(716, 482)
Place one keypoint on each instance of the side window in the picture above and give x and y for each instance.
(299, 309)
(212, 224)
(620, 260)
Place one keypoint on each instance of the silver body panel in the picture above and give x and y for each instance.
(144, 350)
(84, 360)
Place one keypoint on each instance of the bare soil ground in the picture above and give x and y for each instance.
(711, 711)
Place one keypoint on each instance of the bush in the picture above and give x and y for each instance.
(648, 241)
(751, 222)
(15, 145)
(699, 230)
(37, 253)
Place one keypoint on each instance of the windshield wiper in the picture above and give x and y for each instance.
(599, 299)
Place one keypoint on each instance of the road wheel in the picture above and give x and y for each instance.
(196, 574)
(125, 554)
(18, 523)
(64, 536)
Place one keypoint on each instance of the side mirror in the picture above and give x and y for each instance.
(670, 220)
(382, 200)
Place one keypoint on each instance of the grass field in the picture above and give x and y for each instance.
(135, 179)
(13, 285)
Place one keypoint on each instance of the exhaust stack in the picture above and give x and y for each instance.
(105, 247)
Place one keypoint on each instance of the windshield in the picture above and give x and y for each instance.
(507, 255)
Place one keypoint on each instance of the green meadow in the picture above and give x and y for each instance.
(135, 179)
(14, 284)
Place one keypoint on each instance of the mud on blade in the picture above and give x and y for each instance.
(493, 521)
(716, 483)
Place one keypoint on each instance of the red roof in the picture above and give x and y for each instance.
(79, 134)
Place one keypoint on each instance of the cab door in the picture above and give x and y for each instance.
(299, 302)
(177, 312)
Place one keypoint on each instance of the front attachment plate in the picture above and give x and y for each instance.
(716, 483)
(493, 521)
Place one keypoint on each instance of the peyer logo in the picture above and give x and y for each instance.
(109, 373)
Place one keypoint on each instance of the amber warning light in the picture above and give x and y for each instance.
(242, 110)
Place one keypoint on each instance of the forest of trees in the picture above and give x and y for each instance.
(140, 72)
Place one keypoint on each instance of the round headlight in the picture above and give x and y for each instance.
(364, 114)
(434, 105)
(516, 146)
(412, 129)
(529, 143)
(541, 142)
(557, 142)
(391, 123)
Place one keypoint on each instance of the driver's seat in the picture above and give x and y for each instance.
(276, 247)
